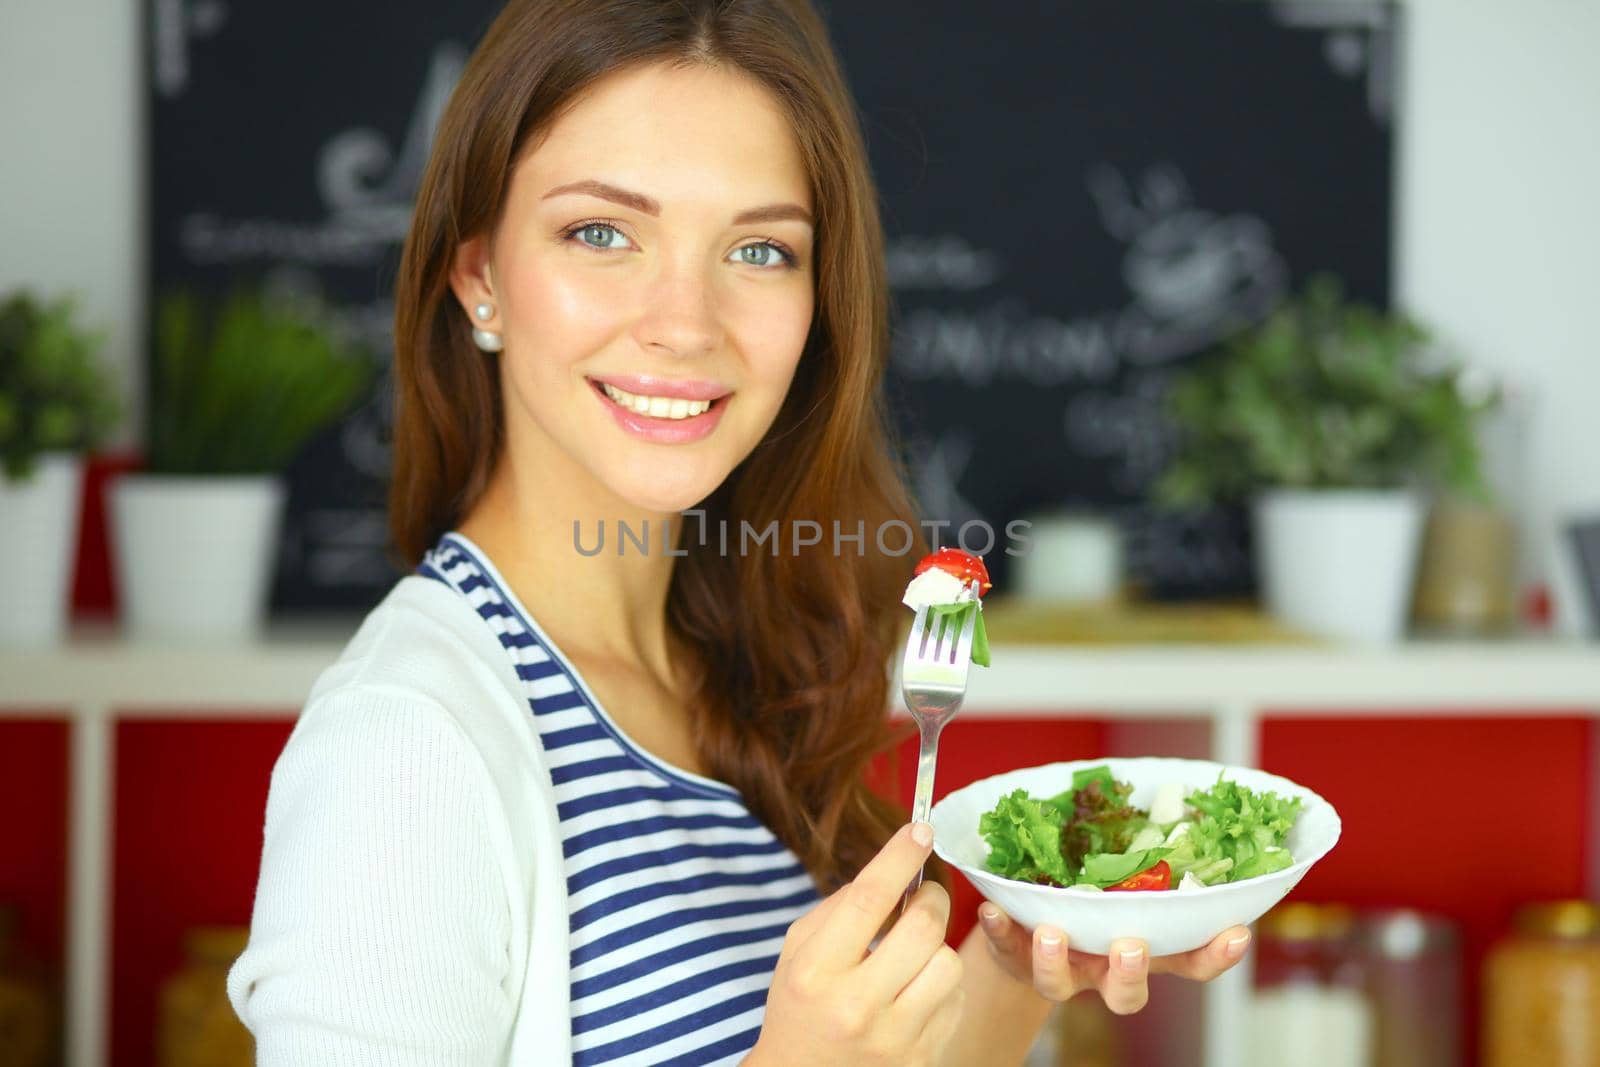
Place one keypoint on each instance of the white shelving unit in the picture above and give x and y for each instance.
(97, 679)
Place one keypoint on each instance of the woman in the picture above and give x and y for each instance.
(590, 784)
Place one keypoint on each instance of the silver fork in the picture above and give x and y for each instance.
(933, 681)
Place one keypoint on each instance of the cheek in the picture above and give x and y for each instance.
(772, 333)
(557, 317)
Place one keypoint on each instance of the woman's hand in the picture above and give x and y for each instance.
(833, 1002)
(1044, 960)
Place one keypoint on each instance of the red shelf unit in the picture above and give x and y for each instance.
(190, 797)
(1462, 816)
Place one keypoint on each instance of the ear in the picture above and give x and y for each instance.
(472, 280)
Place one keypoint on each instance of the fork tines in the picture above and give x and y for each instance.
(938, 640)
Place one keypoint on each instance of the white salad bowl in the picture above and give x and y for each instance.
(1169, 921)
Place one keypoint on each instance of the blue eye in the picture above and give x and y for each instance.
(590, 228)
(780, 257)
(607, 237)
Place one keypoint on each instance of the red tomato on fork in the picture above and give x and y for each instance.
(1157, 877)
(963, 565)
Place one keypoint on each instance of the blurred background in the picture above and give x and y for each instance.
(1260, 326)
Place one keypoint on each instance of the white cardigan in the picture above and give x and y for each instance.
(412, 906)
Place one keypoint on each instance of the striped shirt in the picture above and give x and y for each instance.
(678, 897)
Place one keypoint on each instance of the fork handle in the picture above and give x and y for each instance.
(922, 800)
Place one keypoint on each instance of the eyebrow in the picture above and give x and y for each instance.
(640, 202)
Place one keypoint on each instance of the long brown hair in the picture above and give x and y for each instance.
(793, 646)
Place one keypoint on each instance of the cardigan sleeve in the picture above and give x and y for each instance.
(381, 919)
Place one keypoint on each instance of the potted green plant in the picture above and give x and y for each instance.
(237, 389)
(56, 402)
(1336, 423)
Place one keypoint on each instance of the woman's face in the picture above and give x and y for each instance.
(652, 281)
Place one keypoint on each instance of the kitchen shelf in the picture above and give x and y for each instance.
(98, 679)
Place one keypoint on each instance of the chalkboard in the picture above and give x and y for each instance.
(1079, 196)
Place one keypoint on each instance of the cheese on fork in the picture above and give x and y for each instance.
(935, 586)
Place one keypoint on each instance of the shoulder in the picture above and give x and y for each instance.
(422, 708)
(426, 645)
(423, 637)
(424, 671)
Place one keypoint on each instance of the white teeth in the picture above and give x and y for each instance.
(660, 407)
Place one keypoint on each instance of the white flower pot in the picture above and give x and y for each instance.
(38, 544)
(1339, 563)
(195, 554)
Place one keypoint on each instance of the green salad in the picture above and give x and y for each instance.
(1091, 837)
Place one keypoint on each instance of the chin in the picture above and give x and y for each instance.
(664, 493)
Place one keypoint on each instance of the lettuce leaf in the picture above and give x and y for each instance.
(1024, 837)
(1239, 833)
(980, 636)
(1102, 774)
(1108, 868)
(1196, 848)
(1100, 819)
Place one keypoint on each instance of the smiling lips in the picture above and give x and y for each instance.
(663, 411)
(661, 407)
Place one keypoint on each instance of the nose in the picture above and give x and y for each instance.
(680, 311)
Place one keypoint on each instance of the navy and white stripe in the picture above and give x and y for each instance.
(678, 898)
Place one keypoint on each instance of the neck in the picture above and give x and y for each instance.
(608, 604)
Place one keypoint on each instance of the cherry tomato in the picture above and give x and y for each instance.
(963, 565)
(1157, 877)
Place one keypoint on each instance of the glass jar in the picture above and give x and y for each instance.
(1466, 574)
(1542, 989)
(198, 1027)
(27, 1009)
(1412, 968)
(1308, 1007)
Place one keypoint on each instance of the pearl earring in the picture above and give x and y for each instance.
(487, 340)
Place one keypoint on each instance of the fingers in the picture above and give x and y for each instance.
(1124, 986)
(928, 992)
(1207, 961)
(1121, 976)
(1052, 968)
(802, 929)
(1009, 942)
(867, 901)
(906, 948)
(941, 1027)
